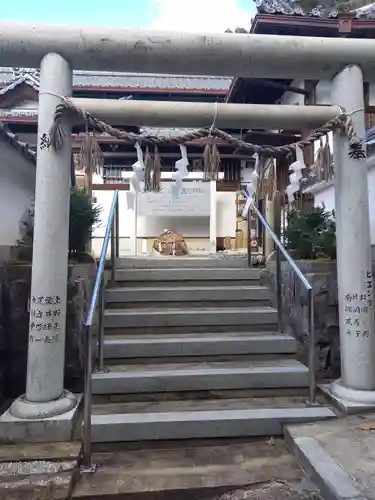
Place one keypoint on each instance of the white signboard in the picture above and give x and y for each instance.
(192, 201)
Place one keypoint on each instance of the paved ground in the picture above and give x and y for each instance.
(343, 449)
(342, 452)
(200, 471)
(37, 471)
(349, 445)
(275, 490)
(259, 470)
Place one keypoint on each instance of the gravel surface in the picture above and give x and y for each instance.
(275, 490)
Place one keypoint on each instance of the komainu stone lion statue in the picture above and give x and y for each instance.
(170, 243)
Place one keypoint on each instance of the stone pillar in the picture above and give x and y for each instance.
(354, 268)
(45, 395)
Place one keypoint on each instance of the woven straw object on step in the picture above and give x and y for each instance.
(170, 243)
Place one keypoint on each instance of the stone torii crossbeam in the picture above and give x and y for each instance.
(60, 49)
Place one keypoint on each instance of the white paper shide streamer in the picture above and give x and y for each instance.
(251, 187)
(181, 172)
(296, 175)
(139, 170)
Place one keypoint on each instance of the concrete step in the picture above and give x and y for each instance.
(176, 377)
(153, 397)
(200, 419)
(186, 295)
(209, 404)
(187, 317)
(213, 358)
(218, 261)
(209, 344)
(183, 275)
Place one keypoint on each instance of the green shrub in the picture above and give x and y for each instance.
(83, 217)
(311, 234)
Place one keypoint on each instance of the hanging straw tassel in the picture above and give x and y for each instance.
(148, 170)
(56, 132)
(156, 175)
(269, 180)
(215, 162)
(327, 162)
(90, 158)
(211, 162)
(206, 162)
(319, 161)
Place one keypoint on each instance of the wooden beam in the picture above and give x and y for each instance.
(283, 86)
(271, 138)
(177, 155)
(110, 187)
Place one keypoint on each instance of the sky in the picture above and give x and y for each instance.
(207, 16)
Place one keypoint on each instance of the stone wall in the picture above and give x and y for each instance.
(15, 281)
(323, 278)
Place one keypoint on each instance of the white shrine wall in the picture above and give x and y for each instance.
(17, 187)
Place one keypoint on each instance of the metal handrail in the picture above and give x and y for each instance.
(280, 249)
(111, 233)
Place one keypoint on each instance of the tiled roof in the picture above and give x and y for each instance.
(30, 80)
(290, 7)
(107, 79)
(151, 81)
(22, 147)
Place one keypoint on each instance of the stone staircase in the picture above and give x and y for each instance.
(192, 351)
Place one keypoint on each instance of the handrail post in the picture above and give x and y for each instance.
(87, 465)
(97, 293)
(275, 234)
(101, 327)
(249, 259)
(277, 231)
(279, 298)
(113, 251)
(311, 354)
(117, 226)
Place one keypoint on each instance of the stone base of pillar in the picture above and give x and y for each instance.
(348, 400)
(21, 408)
(40, 422)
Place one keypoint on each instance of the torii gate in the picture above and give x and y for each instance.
(60, 49)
